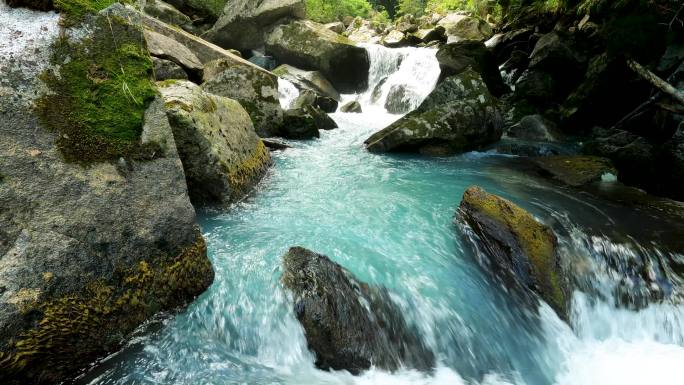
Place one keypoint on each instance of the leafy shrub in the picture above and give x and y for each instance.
(326, 11)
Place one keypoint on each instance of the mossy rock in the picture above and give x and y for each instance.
(522, 251)
(81, 327)
(576, 170)
(100, 93)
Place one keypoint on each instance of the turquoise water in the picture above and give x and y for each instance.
(390, 220)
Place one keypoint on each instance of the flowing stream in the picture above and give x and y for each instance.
(389, 219)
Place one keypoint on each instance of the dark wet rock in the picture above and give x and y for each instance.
(521, 251)
(456, 57)
(348, 324)
(38, 5)
(536, 86)
(310, 46)
(534, 127)
(397, 99)
(166, 69)
(305, 123)
(558, 55)
(504, 44)
(353, 107)
(243, 22)
(255, 89)
(528, 148)
(460, 113)
(576, 170)
(326, 104)
(275, 144)
(309, 80)
(222, 155)
(310, 98)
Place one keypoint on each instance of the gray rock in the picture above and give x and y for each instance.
(456, 57)
(349, 324)
(397, 100)
(167, 48)
(243, 22)
(299, 124)
(87, 254)
(256, 90)
(310, 46)
(461, 27)
(394, 39)
(351, 107)
(337, 27)
(168, 14)
(309, 80)
(461, 124)
(536, 86)
(222, 155)
(428, 35)
(166, 69)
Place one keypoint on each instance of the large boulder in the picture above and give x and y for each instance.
(98, 233)
(456, 57)
(222, 155)
(243, 22)
(521, 251)
(308, 80)
(350, 325)
(461, 27)
(166, 69)
(256, 90)
(310, 46)
(459, 115)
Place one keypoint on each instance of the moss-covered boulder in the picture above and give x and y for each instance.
(462, 27)
(349, 324)
(222, 155)
(256, 90)
(311, 46)
(521, 251)
(168, 14)
(576, 170)
(459, 115)
(98, 233)
(243, 22)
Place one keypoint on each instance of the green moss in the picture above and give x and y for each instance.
(100, 95)
(537, 241)
(76, 329)
(242, 176)
(74, 11)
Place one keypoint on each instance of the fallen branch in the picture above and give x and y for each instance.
(657, 82)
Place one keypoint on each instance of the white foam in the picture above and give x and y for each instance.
(287, 93)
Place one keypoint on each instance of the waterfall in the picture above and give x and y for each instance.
(287, 93)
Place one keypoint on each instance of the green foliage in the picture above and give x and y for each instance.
(411, 7)
(326, 11)
(99, 98)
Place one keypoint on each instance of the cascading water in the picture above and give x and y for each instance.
(390, 220)
(287, 93)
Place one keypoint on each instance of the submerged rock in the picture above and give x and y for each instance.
(222, 155)
(522, 252)
(349, 324)
(576, 170)
(256, 90)
(311, 46)
(459, 114)
(243, 22)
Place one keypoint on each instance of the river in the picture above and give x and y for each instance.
(389, 219)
